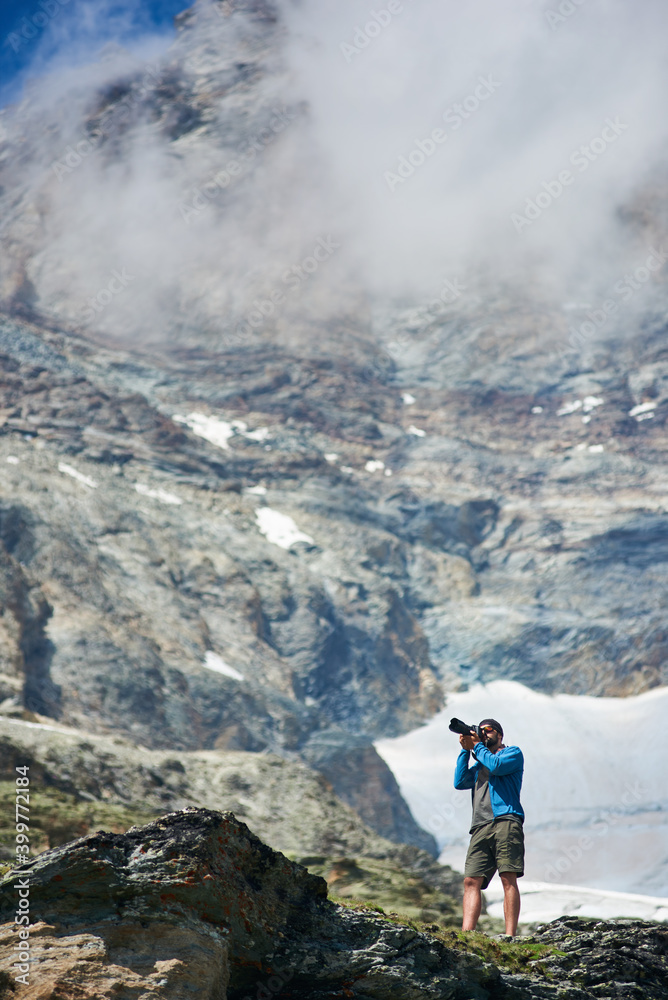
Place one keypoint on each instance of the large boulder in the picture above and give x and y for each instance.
(195, 904)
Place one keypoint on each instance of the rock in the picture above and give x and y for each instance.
(195, 904)
(608, 959)
(158, 960)
(25, 650)
(360, 777)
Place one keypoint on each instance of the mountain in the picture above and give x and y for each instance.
(250, 504)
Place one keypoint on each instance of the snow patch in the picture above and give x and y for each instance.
(594, 793)
(408, 398)
(331, 456)
(75, 474)
(587, 404)
(259, 435)
(570, 408)
(258, 491)
(214, 662)
(42, 725)
(280, 529)
(216, 431)
(642, 408)
(158, 494)
(417, 431)
(12, 459)
(219, 431)
(536, 409)
(542, 901)
(374, 465)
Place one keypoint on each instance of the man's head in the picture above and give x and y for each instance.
(492, 732)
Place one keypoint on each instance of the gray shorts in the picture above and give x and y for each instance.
(496, 846)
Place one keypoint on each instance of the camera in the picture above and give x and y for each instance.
(457, 726)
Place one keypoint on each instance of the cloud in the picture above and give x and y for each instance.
(414, 135)
(377, 93)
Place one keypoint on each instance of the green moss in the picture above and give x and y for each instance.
(58, 817)
(518, 955)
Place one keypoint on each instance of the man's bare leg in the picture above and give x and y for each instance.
(511, 901)
(472, 904)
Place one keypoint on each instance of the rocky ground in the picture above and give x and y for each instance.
(196, 903)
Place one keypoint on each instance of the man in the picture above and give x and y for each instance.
(497, 836)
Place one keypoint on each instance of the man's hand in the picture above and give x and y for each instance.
(468, 742)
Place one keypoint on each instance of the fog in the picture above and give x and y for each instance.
(412, 142)
(555, 82)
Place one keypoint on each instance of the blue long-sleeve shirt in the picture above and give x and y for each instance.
(506, 768)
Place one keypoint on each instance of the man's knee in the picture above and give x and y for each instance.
(473, 882)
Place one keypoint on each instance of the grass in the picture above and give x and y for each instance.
(517, 955)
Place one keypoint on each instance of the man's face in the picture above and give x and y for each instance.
(491, 738)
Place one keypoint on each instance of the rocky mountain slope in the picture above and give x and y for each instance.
(196, 903)
(295, 535)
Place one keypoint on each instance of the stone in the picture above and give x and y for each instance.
(195, 904)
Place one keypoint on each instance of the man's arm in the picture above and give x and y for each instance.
(464, 775)
(502, 762)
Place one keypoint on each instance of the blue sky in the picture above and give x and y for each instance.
(33, 33)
